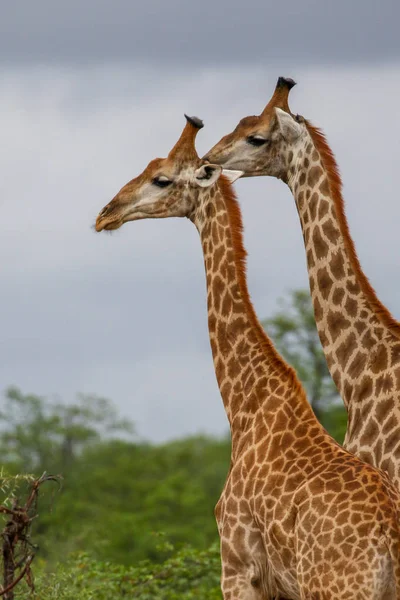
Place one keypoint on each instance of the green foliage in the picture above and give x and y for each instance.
(295, 334)
(119, 493)
(334, 419)
(116, 493)
(11, 486)
(40, 435)
(188, 574)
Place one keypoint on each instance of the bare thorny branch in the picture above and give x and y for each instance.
(17, 550)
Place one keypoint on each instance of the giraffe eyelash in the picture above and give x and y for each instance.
(161, 181)
(256, 140)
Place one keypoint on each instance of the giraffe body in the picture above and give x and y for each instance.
(299, 517)
(293, 535)
(360, 339)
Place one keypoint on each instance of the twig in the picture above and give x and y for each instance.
(16, 539)
(20, 576)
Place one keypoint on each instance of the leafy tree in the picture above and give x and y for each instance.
(40, 435)
(295, 334)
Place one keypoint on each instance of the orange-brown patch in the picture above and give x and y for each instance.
(337, 322)
(337, 265)
(384, 384)
(383, 408)
(365, 389)
(324, 187)
(320, 246)
(324, 282)
(323, 208)
(338, 296)
(351, 307)
(300, 200)
(314, 175)
(331, 231)
(346, 349)
(371, 432)
(357, 365)
(395, 355)
(367, 340)
(313, 205)
(390, 424)
(391, 442)
(310, 258)
(217, 257)
(379, 362)
(218, 288)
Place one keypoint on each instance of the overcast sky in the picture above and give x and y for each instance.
(90, 92)
(199, 33)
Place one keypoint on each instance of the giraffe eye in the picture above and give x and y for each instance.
(161, 181)
(256, 140)
(255, 581)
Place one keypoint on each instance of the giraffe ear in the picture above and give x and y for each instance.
(232, 175)
(289, 128)
(207, 175)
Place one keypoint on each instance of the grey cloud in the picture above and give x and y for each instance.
(205, 33)
(125, 315)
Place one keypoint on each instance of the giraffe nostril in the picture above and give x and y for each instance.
(104, 211)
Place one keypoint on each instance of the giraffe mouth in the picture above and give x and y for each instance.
(228, 163)
(106, 224)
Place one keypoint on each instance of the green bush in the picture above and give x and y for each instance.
(119, 493)
(188, 574)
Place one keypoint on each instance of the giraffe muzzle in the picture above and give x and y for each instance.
(107, 219)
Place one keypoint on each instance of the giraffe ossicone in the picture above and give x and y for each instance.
(299, 517)
(360, 339)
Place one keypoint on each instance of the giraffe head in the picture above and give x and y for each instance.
(263, 144)
(168, 187)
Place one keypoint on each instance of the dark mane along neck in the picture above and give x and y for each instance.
(335, 186)
(273, 358)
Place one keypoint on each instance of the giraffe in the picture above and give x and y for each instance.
(360, 339)
(299, 517)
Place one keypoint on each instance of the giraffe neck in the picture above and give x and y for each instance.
(251, 375)
(350, 319)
